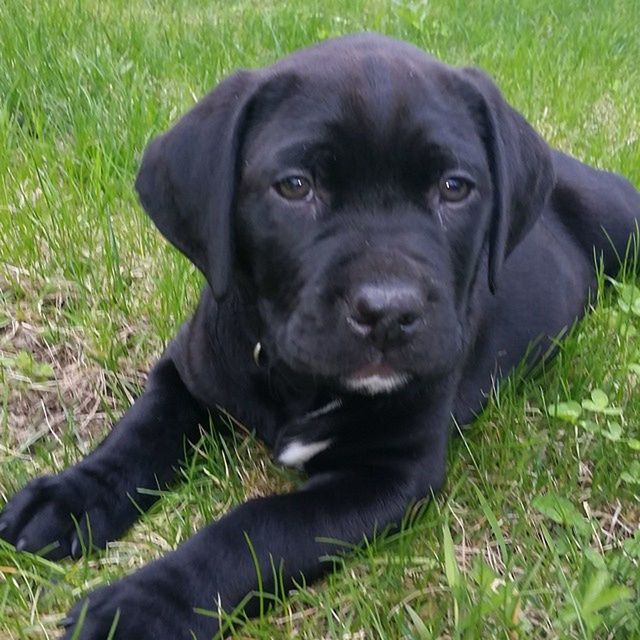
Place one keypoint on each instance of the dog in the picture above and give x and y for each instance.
(383, 238)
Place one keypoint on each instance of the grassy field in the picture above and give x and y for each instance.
(537, 532)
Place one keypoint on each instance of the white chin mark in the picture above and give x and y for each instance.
(373, 385)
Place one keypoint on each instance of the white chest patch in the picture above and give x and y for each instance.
(295, 454)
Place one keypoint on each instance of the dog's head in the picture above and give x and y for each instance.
(357, 189)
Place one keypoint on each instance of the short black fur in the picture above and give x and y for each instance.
(346, 327)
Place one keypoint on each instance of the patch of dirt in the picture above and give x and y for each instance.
(77, 391)
(47, 380)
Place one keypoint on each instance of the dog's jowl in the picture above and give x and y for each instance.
(382, 237)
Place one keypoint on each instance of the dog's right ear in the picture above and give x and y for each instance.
(187, 180)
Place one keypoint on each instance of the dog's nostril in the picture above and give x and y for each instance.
(407, 320)
(368, 309)
(359, 326)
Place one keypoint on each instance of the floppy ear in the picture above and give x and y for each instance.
(188, 176)
(521, 170)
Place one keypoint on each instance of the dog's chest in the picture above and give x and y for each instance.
(307, 436)
(297, 453)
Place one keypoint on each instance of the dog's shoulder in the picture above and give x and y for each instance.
(214, 355)
(599, 209)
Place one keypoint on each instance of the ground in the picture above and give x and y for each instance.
(536, 534)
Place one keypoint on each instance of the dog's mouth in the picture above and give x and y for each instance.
(377, 378)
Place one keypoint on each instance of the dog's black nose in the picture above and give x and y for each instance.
(386, 313)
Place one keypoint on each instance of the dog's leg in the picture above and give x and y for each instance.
(97, 500)
(265, 545)
(359, 487)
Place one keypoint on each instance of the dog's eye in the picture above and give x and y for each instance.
(454, 188)
(294, 188)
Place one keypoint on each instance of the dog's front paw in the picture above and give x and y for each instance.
(62, 515)
(134, 608)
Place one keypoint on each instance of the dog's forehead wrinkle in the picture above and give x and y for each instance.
(366, 135)
(376, 71)
(378, 92)
(414, 146)
(379, 77)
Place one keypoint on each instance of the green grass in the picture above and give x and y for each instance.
(536, 534)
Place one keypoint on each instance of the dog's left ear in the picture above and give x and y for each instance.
(521, 169)
(187, 180)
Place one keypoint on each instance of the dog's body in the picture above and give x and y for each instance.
(383, 238)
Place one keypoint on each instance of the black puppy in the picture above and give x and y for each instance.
(382, 237)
